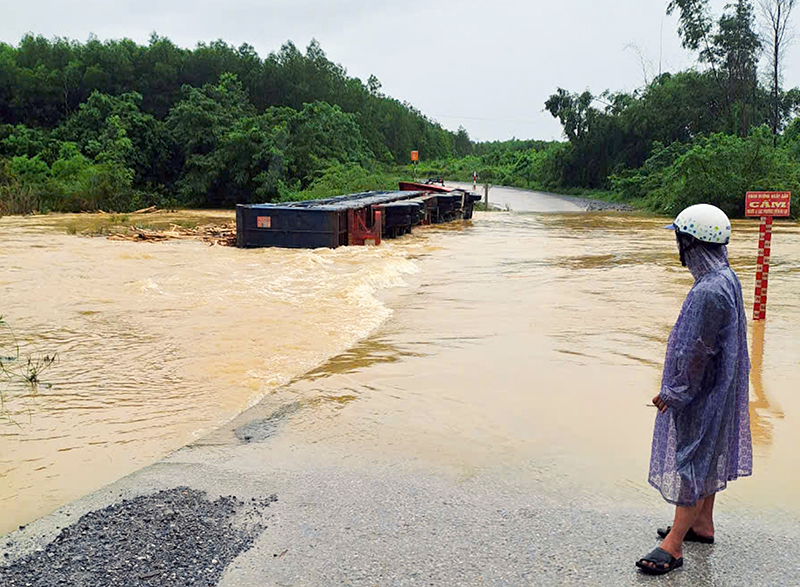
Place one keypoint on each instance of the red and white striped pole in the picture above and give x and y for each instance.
(762, 270)
(766, 205)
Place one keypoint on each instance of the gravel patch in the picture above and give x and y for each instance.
(174, 537)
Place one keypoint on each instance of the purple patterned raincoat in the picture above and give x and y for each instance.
(703, 440)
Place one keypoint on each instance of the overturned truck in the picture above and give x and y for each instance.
(354, 219)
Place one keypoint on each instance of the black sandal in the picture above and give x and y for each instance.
(663, 562)
(691, 536)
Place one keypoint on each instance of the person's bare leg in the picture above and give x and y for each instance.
(684, 519)
(704, 525)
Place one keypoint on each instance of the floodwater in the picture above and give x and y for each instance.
(527, 342)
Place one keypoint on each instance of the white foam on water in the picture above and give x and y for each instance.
(333, 297)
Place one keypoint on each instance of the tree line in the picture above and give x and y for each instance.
(117, 125)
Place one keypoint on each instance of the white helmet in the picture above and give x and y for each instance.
(704, 222)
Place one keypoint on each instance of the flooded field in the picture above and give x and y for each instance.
(529, 342)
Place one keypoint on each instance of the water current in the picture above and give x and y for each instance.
(521, 340)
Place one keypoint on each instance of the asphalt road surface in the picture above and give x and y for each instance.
(523, 200)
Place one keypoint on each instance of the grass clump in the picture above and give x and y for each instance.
(18, 370)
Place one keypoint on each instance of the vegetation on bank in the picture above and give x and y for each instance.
(118, 126)
(718, 168)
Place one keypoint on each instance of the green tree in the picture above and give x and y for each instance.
(737, 48)
(323, 135)
(777, 14)
(718, 169)
(114, 126)
(18, 140)
(695, 28)
(177, 123)
(463, 146)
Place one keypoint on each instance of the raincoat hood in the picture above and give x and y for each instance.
(702, 259)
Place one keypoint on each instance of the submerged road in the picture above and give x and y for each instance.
(519, 200)
(374, 471)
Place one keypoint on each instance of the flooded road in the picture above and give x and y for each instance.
(519, 200)
(534, 343)
(530, 343)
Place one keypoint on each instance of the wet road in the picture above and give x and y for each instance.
(519, 200)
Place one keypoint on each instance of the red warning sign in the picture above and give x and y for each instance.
(264, 221)
(774, 204)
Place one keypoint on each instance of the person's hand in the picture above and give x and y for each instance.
(659, 403)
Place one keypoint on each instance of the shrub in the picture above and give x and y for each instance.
(718, 170)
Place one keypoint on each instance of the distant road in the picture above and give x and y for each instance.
(520, 200)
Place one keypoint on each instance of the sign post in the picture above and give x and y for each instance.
(767, 205)
(415, 159)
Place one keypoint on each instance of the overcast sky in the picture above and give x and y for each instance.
(486, 65)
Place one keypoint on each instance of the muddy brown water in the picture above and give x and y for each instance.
(530, 342)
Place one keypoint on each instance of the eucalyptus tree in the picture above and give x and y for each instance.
(730, 47)
(776, 14)
(695, 27)
(737, 48)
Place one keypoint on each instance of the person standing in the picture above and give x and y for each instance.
(702, 436)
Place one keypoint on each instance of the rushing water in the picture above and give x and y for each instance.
(158, 343)
(518, 340)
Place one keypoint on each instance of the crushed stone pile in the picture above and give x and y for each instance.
(174, 537)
